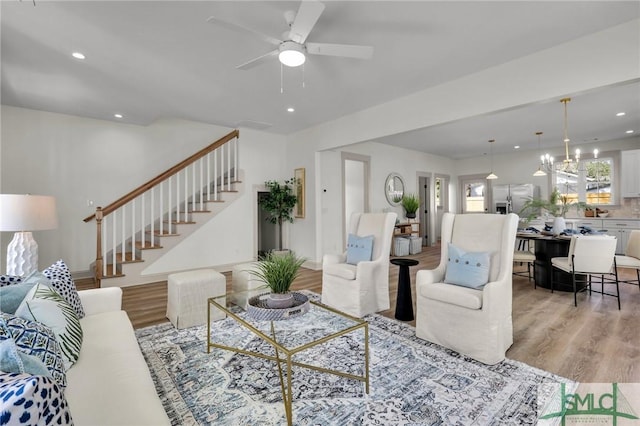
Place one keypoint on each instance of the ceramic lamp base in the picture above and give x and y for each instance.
(22, 254)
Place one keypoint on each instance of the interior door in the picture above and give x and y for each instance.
(425, 196)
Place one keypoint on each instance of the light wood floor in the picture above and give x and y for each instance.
(594, 342)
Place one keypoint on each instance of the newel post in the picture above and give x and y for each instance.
(98, 271)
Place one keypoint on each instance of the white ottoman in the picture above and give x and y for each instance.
(188, 293)
(245, 285)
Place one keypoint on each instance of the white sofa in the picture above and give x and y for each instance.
(110, 384)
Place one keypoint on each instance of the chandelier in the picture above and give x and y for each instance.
(568, 164)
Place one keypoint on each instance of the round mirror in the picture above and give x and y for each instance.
(394, 189)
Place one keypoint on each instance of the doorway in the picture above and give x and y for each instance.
(441, 198)
(473, 194)
(355, 187)
(267, 231)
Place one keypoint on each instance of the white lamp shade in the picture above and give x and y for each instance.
(20, 212)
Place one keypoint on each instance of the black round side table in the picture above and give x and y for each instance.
(404, 302)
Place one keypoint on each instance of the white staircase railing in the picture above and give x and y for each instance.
(135, 221)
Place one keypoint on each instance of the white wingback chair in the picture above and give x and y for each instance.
(361, 289)
(473, 322)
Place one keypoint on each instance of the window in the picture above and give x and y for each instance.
(589, 181)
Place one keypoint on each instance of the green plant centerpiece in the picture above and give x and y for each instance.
(557, 205)
(411, 204)
(279, 204)
(278, 271)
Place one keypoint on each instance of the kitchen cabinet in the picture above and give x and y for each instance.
(595, 224)
(620, 228)
(630, 173)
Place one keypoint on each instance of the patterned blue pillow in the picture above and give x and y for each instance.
(14, 361)
(36, 339)
(32, 400)
(359, 249)
(63, 284)
(467, 269)
(9, 279)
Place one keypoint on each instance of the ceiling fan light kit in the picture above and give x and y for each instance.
(292, 54)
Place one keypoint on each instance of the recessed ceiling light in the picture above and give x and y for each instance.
(620, 114)
(291, 109)
(629, 131)
(78, 55)
(118, 115)
(516, 147)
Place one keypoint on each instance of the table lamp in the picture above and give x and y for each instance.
(23, 214)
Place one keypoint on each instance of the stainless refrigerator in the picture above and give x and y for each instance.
(510, 198)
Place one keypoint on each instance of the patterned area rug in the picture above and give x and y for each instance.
(413, 382)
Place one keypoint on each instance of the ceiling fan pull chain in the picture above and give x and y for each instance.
(281, 80)
(303, 76)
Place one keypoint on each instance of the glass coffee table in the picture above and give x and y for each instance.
(288, 340)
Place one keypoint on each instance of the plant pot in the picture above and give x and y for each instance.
(411, 215)
(280, 300)
(282, 252)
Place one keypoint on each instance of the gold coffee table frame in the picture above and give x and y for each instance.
(285, 354)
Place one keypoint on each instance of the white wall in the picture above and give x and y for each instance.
(385, 159)
(527, 80)
(77, 159)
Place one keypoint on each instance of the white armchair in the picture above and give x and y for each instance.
(361, 289)
(473, 322)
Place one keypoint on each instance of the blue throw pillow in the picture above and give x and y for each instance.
(14, 361)
(359, 249)
(12, 295)
(35, 339)
(468, 269)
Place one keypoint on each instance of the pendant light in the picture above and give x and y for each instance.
(567, 160)
(540, 172)
(491, 175)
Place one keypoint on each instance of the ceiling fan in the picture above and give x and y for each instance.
(293, 49)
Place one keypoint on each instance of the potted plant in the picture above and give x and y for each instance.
(557, 205)
(278, 272)
(279, 204)
(411, 204)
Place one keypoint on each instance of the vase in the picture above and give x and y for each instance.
(411, 215)
(280, 300)
(559, 225)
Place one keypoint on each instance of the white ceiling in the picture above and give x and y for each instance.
(155, 59)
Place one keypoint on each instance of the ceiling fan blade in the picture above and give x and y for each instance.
(306, 18)
(344, 50)
(258, 61)
(240, 28)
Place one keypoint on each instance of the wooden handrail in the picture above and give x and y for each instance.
(161, 177)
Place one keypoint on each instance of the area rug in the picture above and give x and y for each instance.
(412, 382)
